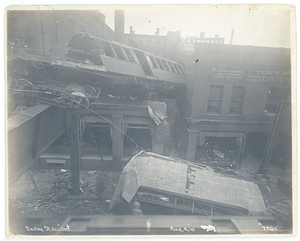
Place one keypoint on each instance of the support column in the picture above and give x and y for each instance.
(192, 144)
(157, 148)
(75, 156)
(117, 141)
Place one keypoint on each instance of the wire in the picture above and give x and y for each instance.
(32, 60)
(183, 188)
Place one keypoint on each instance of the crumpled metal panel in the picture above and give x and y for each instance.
(184, 178)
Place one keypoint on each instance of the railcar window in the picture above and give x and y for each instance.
(107, 48)
(160, 63)
(129, 55)
(177, 68)
(165, 65)
(172, 67)
(181, 69)
(119, 52)
(152, 59)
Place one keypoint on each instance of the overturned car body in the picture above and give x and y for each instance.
(184, 186)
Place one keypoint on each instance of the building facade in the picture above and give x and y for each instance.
(233, 93)
(47, 32)
(166, 46)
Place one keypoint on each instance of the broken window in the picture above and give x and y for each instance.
(237, 100)
(119, 52)
(129, 55)
(215, 99)
(107, 48)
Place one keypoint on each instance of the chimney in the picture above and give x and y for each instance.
(131, 30)
(157, 32)
(119, 24)
(202, 34)
(231, 39)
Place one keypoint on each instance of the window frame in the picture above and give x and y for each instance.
(242, 100)
(215, 99)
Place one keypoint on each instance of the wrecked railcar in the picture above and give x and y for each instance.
(181, 185)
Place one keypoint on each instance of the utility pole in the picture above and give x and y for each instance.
(231, 39)
(75, 156)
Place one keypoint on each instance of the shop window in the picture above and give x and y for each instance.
(139, 134)
(275, 94)
(237, 100)
(215, 99)
(119, 52)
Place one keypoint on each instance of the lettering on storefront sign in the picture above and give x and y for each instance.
(268, 76)
(190, 41)
(226, 74)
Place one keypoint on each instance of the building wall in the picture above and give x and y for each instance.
(28, 141)
(49, 31)
(168, 46)
(234, 89)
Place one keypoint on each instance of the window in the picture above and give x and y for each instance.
(237, 100)
(129, 55)
(172, 67)
(275, 94)
(119, 52)
(215, 99)
(177, 68)
(159, 63)
(181, 69)
(152, 59)
(107, 48)
(165, 65)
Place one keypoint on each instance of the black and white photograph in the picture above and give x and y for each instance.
(174, 120)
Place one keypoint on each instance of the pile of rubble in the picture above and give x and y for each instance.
(49, 192)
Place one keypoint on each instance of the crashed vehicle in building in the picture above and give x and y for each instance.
(184, 187)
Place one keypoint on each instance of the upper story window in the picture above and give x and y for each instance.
(237, 100)
(275, 94)
(215, 99)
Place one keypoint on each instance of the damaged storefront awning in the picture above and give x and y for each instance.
(183, 178)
